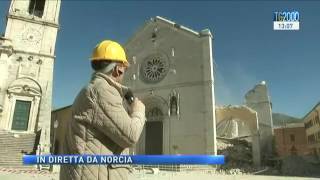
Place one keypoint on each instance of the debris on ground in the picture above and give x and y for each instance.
(238, 154)
(299, 166)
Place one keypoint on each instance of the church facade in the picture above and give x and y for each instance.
(171, 71)
(27, 55)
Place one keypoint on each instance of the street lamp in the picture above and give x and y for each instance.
(55, 126)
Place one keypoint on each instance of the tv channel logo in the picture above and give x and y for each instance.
(286, 20)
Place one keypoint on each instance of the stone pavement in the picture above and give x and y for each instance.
(27, 174)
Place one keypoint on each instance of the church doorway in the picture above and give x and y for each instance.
(154, 132)
(21, 115)
(154, 137)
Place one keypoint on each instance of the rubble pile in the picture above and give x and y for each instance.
(299, 166)
(238, 156)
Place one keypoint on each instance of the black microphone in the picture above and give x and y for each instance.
(129, 96)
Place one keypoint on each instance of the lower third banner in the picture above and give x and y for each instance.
(124, 159)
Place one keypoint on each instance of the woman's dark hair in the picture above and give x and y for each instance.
(98, 65)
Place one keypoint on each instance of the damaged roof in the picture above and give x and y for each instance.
(202, 33)
(205, 32)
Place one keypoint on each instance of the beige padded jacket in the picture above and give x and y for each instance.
(100, 125)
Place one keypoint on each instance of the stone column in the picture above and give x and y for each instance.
(258, 99)
(5, 52)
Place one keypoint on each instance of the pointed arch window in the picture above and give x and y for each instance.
(173, 105)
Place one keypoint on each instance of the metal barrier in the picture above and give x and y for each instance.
(177, 168)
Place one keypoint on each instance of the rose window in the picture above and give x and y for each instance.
(154, 68)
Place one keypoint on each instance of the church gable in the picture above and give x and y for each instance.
(153, 25)
(164, 50)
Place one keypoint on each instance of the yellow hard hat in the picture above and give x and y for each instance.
(111, 51)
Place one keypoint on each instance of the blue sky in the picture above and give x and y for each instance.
(246, 49)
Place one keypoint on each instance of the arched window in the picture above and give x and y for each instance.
(36, 7)
(23, 97)
(173, 105)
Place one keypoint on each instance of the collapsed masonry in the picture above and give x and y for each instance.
(244, 132)
(238, 126)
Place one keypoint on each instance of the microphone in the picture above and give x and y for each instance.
(129, 96)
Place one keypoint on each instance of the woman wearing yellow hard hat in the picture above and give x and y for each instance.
(110, 51)
(109, 54)
(100, 124)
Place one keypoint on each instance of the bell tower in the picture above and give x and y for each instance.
(32, 25)
(27, 54)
